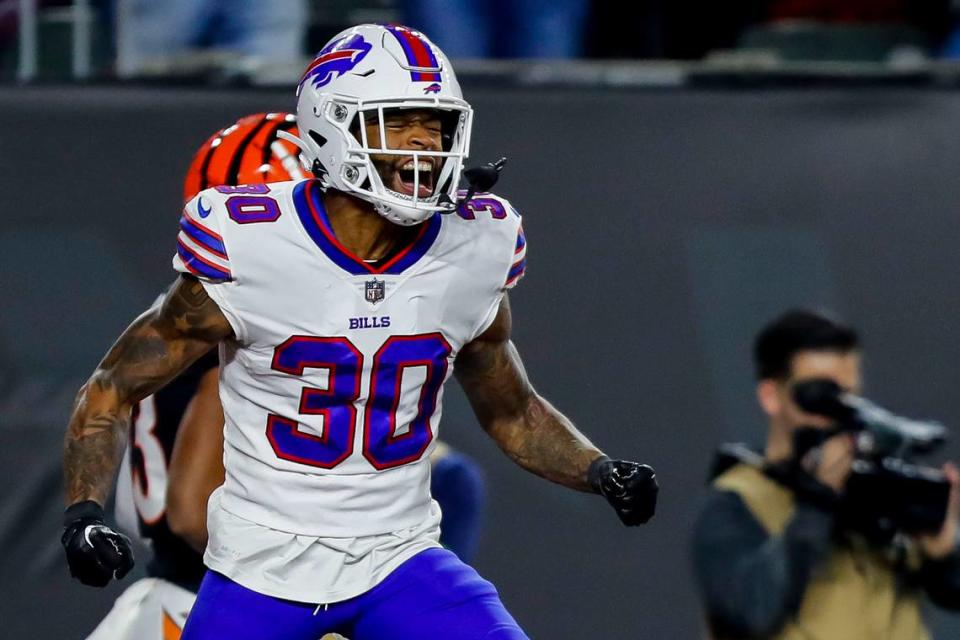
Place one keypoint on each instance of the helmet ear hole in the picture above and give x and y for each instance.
(360, 120)
(318, 169)
(317, 138)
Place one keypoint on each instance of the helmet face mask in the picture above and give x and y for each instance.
(444, 165)
(338, 99)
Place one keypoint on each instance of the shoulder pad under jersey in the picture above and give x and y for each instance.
(201, 250)
(493, 207)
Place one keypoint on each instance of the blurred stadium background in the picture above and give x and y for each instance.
(689, 171)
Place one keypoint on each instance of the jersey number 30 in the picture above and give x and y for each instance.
(383, 447)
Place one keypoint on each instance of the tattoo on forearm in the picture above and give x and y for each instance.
(536, 412)
(157, 346)
(550, 445)
(144, 349)
(529, 429)
(92, 453)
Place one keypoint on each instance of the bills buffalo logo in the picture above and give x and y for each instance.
(334, 60)
(434, 88)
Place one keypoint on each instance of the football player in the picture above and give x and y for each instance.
(166, 479)
(341, 305)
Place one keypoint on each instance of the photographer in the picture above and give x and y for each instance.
(772, 555)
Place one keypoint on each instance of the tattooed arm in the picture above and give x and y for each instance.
(527, 427)
(538, 437)
(158, 345)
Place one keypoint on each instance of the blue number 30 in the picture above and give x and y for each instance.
(383, 447)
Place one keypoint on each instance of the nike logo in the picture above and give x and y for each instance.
(203, 212)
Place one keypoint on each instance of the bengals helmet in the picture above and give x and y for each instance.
(246, 152)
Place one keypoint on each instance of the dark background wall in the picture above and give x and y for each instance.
(664, 227)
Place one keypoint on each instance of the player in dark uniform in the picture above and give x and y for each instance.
(176, 558)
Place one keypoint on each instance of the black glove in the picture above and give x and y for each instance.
(95, 552)
(630, 487)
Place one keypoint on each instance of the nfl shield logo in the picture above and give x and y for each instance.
(374, 290)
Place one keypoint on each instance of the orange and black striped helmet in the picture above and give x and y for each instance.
(246, 152)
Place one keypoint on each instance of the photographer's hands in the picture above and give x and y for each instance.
(831, 463)
(941, 544)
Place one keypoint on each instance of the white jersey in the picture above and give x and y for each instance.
(332, 389)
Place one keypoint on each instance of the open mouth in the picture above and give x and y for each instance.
(405, 178)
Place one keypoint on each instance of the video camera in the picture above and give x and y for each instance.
(886, 492)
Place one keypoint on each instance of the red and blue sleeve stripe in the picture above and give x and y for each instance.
(516, 271)
(204, 237)
(202, 250)
(519, 266)
(200, 266)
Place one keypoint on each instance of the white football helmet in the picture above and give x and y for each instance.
(358, 75)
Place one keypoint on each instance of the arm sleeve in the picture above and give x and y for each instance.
(941, 581)
(201, 250)
(751, 582)
(518, 267)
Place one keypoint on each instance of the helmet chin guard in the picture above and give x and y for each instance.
(357, 77)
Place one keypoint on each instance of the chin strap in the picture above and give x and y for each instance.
(480, 178)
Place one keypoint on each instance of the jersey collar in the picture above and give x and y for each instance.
(308, 201)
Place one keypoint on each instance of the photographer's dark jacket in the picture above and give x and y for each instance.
(770, 566)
